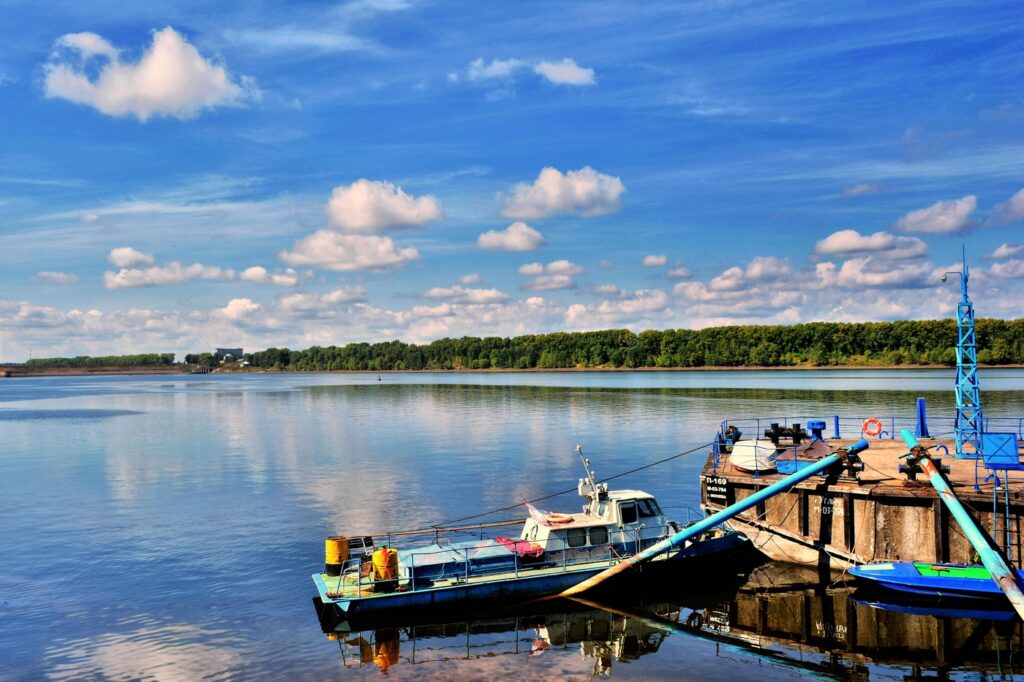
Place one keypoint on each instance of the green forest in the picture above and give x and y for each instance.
(105, 361)
(823, 344)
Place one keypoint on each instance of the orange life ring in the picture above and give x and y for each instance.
(558, 518)
(871, 427)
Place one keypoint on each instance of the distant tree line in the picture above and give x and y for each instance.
(105, 361)
(823, 344)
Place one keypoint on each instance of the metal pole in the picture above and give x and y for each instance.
(713, 520)
(1003, 576)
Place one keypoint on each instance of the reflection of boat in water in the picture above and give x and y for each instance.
(553, 552)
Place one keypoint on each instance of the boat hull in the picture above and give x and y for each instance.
(953, 581)
(706, 556)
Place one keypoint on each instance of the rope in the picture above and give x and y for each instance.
(571, 490)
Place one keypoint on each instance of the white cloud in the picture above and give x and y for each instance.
(861, 189)
(463, 295)
(1011, 210)
(237, 309)
(655, 260)
(348, 252)
(127, 257)
(479, 70)
(871, 272)
(304, 303)
(516, 237)
(609, 291)
(550, 283)
(759, 269)
(1011, 269)
(940, 217)
(1007, 251)
(847, 242)
(555, 275)
(565, 72)
(650, 305)
(372, 206)
(170, 79)
(55, 277)
(679, 272)
(585, 191)
(162, 275)
(471, 278)
(260, 275)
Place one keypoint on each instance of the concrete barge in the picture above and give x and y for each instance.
(881, 514)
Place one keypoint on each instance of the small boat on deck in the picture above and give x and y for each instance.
(372, 574)
(954, 581)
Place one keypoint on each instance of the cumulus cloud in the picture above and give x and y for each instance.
(127, 257)
(471, 278)
(679, 272)
(348, 252)
(565, 72)
(461, 294)
(555, 275)
(163, 275)
(628, 307)
(1007, 251)
(655, 260)
(170, 79)
(479, 70)
(941, 217)
(860, 189)
(871, 272)
(1011, 269)
(55, 277)
(260, 275)
(302, 302)
(237, 309)
(851, 242)
(372, 206)
(1011, 210)
(759, 269)
(585, 192)
(516, 237)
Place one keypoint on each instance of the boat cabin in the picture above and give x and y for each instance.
(625, 520)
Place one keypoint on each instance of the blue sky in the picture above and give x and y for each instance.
(179, 176)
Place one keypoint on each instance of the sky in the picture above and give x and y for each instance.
(176, 177)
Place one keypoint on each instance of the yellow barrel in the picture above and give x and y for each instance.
(335, 554)
(385, 569)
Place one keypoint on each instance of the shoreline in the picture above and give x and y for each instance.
(18, 372)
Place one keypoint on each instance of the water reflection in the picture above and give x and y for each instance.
(782, 618)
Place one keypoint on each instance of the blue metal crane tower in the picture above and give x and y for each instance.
(969, 424)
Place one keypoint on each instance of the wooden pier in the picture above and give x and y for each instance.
(883, 516)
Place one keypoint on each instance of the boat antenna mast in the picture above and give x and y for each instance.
(969, 424)
(588, 487)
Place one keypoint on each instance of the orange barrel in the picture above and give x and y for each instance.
(385, 569)
(335, 554)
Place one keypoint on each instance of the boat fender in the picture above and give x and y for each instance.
(557, 518)
(872, 426)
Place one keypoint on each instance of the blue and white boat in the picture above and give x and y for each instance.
(959, 581)
(552, 553)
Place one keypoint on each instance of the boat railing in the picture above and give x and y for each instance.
(459, 563)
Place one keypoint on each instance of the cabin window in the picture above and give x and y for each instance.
(628, 513)
(576, 537)
(648, 508)
(599, 535)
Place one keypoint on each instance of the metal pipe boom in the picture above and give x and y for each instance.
(1001, 573)
(715, 519)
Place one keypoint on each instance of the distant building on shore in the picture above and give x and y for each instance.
(229, 353)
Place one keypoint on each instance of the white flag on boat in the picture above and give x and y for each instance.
(536, 514)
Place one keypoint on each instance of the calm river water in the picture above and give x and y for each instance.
(166, 527)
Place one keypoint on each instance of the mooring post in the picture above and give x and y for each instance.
(1002, 574)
